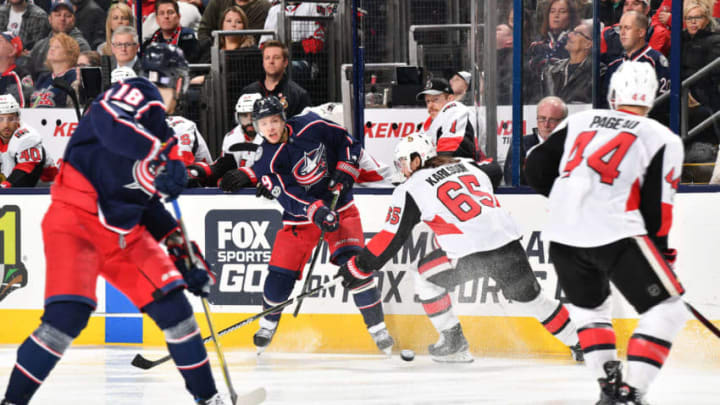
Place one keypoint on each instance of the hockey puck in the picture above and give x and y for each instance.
(407, 355)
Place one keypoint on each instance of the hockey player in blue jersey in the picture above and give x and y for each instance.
(304, 161)
(106, 219)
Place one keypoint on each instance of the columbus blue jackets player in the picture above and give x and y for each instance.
(304, 160)
(106, 218)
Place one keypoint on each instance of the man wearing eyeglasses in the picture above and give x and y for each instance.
(568, 78)
(124, 46)
(550, 112)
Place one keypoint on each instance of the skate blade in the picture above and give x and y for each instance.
(387, 351)
(254, 397)
(260, 350)
(459, 357)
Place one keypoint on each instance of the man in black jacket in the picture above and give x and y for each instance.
(276, 83)
(90, 20)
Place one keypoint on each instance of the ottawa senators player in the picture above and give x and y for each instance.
(611, 177)
(477, 238)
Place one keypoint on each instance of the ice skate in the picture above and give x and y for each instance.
(609, 385)
(577, 353)
(452, 347)
(383, 340)
(264, 335)
(630, 396)
(215, 400)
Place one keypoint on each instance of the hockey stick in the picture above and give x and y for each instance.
(206, 306)
(700, 317)
(63, 85)
(333, 203)
(141, 362)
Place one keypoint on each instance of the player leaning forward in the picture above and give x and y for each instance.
(304, 160)
(611, 177)
(106, 218)
(477, 238)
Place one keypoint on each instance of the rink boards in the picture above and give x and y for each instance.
(237, 233)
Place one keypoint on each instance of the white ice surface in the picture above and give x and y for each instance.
(103, 375)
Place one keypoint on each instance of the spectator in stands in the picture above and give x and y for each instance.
(62, 19)
(125, 48)
(701, 45)
(189, 17)
(232, 19)
(118, 15)
(276, 83)
(657, 35)
(569, 78)
(89, 19)
(235, 19)
(460, 83)
(256, 11)
(10, 81)
(610, 11)
(504, 43)
(633, 31)
(550, 112)
(171, 32)
(26, 20)
(560, 17)
(85, 59)
(62, 56)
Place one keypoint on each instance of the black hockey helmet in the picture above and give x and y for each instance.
(163, 64)
(266, 107)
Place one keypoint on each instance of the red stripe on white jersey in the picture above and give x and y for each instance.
(441, 227)
(380, 242)
(449, 144)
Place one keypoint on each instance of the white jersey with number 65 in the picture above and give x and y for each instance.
(615, 175)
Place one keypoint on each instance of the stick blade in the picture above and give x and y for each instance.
(254, 397)
(141, 362)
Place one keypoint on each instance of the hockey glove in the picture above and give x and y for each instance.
(352, 275)
(323, 217)
(198, 172)
(344, 176)
(265, 188)
(198, 276)
(670, 256)
(234, 180)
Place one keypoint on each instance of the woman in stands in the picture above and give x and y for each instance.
(118, 14)
(61, 59)
(701, 45)
(559, 18)
(234, 19)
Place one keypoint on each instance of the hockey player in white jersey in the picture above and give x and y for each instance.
(455, 198)
(240, 146)
(448, 125)
(23, 159)
(611, 177)
(191, 145)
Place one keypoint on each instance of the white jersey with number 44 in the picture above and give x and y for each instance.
(617, 177)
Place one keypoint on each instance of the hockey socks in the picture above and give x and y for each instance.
(650, 343)
(367, 300)
(175, 318)
(596, 335)
(278, 287)
(435, 299)
(554, 317)
(40, 352)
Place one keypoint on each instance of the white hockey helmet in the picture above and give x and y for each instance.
(8, 104)
(121, 73)
(245, 104)
(634, 83)
(413, 145)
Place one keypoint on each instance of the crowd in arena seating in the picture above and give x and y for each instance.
(43, 39)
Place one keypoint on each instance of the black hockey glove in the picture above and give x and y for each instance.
(198, 276)
(265, 188)
(323, 217)
(234, 180)
(198, 173)
(345, 175)
(353, 276)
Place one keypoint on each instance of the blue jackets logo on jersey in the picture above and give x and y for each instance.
(311, 168)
